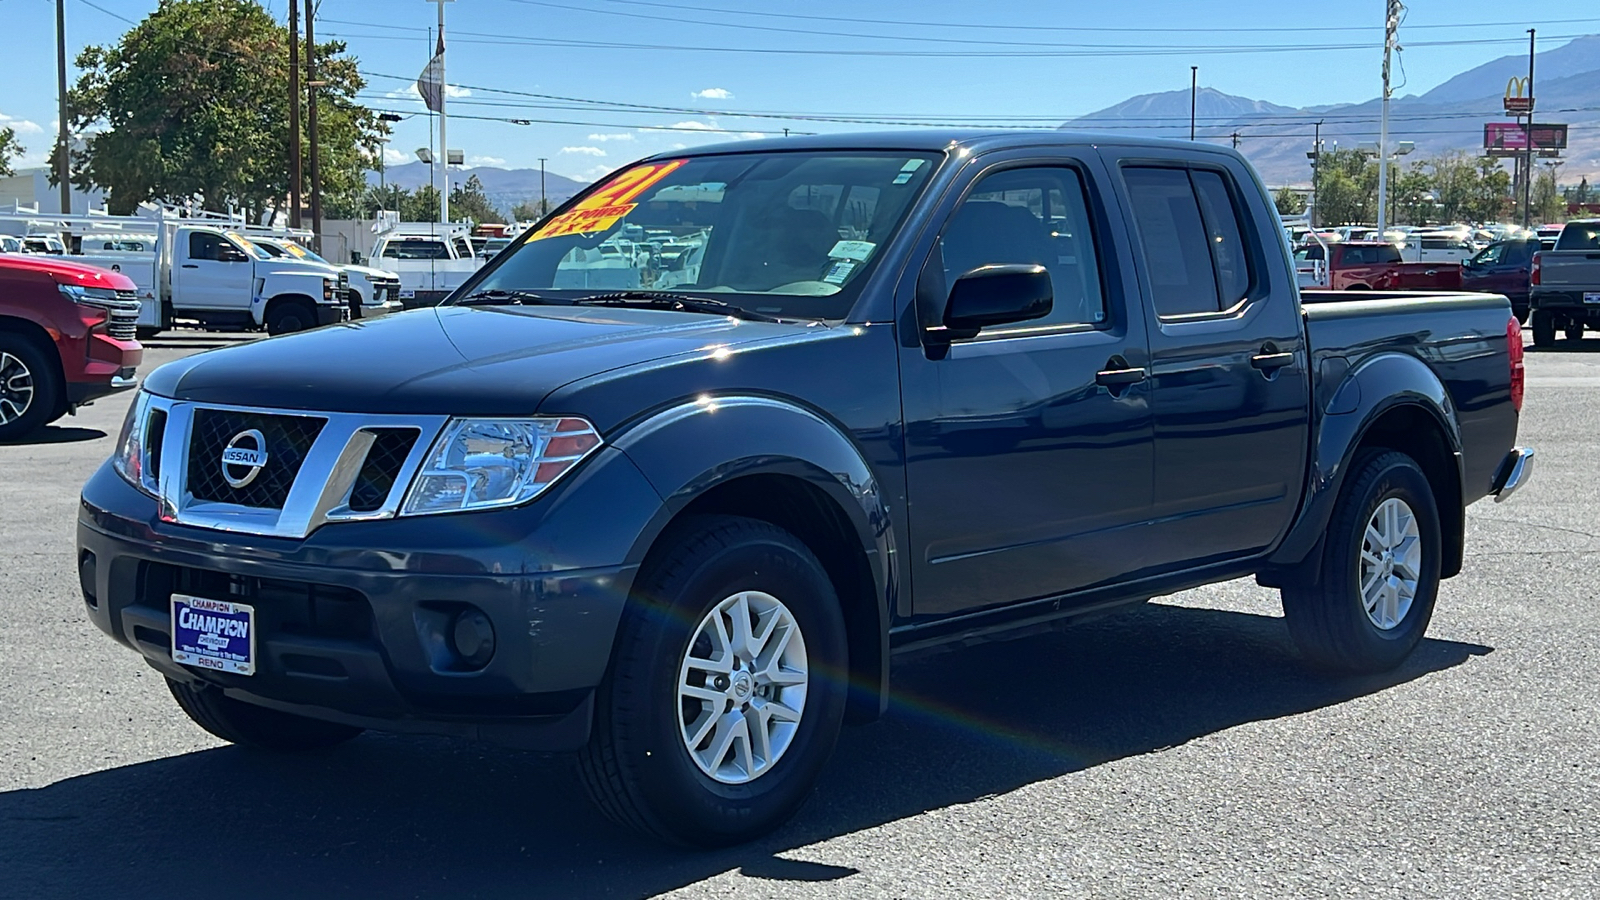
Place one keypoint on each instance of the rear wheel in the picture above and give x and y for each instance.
(291, 316)
(1544, 328)
(727, 688)
(1380, 570)
(243, 723)
(30, 387)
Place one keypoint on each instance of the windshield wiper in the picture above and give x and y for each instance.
(496, 296)
(677, 302)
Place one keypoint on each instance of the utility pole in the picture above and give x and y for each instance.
(1527, 178)
(1236, 140)
(444, 142)
(1391, 29)
(295, 175)
(544, 205)
(1194, 84)
(311, 123)
(63, 168)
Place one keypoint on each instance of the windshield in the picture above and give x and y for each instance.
(785, 234)
(304, 253)
(1579, 236)
(248, 245)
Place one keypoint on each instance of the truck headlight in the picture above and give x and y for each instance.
(98, 297)
(492, 463)
(138, 443)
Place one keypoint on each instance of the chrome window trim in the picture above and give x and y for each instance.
(320, 494)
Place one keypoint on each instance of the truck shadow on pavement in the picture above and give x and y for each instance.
(57, 434)
(390, 816)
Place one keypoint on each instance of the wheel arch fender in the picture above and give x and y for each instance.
(778, 461)
(1390, 400)
(35, 334)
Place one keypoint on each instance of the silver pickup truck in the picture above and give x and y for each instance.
(1565, 291)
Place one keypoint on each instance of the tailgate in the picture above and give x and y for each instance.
(1569, 269)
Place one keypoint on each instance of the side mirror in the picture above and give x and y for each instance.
(997, 295)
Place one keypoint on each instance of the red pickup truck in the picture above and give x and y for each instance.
(1377, 266)
(66, 339)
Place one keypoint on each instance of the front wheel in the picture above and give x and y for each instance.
(1380, 570)
(1544, 328)
(243, 723)
(30, 388)
(287, 318)
(726, 690)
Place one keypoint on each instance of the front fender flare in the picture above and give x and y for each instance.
(688, 449)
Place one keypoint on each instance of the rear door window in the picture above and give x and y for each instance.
(1191, 234)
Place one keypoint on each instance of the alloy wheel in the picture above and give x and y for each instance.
(1391, 563)
(742, 687)
(16, 388)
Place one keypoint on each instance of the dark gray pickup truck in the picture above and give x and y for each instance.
(1565, 292)
(672, 480)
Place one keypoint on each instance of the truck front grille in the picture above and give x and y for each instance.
(389, 450)
(286, 439)
(124, 322)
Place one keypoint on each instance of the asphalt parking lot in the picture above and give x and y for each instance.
(1178, 750)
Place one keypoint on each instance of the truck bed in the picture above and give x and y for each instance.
(1460, 336)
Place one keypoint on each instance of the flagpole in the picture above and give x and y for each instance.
(444, 142)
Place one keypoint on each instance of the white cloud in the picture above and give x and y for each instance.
(691, 125)
(393, 157)
(485, 161)
(594, 172)
(751, 135)
(584, 151)
(602, 138)
(410, 92)
(713, 94)
(20, 126)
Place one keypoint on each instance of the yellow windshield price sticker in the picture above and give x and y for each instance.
(606, 206)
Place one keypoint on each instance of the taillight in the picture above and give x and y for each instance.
(1514, 353)
(1533, 273)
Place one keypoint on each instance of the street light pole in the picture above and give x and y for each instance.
(1194, 84)
(544, 205)
(63, 169)
(1316, 165)
(1391, 29)
(1527, 178)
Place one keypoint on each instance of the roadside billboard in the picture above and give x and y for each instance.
(1511, 139)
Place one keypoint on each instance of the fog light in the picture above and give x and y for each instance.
(472, 638)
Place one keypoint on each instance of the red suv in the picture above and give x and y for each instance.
(66, 339)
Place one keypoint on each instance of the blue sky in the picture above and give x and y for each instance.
(884, 59)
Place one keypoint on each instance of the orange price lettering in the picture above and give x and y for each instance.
(607, 205)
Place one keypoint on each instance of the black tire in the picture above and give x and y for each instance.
(1544, 329)
(1573, 331)
(1329, 623)
(636, 767)
(146, 333)
(248, 725)
(30, 387)
(291, 316)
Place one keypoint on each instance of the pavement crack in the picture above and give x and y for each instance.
(1539, 525)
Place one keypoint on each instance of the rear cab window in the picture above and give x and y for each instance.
(1191, 238)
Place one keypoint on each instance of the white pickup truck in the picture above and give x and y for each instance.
(202, 270)
(368, 292)
(430, 259)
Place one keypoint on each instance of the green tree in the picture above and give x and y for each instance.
(1347, 186)
(9, 150)
(421, 205)
(1289, 201)
(470, 202)
(530, 210)
(1411, 197)
(1548, 204)
(189, 106)
(1492, 198)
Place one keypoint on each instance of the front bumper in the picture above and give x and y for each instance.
(352, 633)
(374, 310)
(331, 313)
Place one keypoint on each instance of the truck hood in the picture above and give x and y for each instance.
(66, 272)
(368, 272)
(448, 360)
(280, 265)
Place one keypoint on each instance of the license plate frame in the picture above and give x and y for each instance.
(1591, 298)
(210, 636)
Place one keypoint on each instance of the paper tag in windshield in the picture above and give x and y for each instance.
(856, 250)
(908, 170)
(607, 205)
(839, 271)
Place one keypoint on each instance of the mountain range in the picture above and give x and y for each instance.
(1275, 138)
(1447, 118)
(505, 188)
